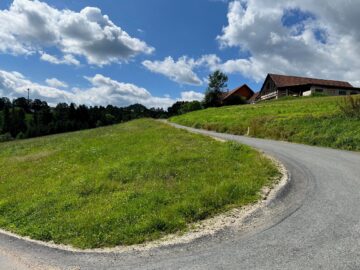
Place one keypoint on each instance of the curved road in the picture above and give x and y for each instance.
(313, 224)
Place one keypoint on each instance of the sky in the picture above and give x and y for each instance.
(100, 52)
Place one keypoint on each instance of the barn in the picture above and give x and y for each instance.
(237, 96)
(276, 86)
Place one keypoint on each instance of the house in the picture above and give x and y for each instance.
(254, 97)
(276, 86)
(237, 96)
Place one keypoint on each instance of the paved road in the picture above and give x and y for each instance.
(314, 224)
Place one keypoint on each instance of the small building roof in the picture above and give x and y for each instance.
(288, 81)
(254, 97)
(243, 87)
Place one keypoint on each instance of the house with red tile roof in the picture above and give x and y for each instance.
(276, 86)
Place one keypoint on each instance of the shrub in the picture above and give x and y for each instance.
(350, 106)
(20, 136)
(319, 94)
(6, 137)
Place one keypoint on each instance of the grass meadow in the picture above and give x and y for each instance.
(309, 120)
(123, 184)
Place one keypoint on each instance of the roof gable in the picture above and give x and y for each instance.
(287, 81)
(244, 87)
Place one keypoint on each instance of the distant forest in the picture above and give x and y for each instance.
(22, 118)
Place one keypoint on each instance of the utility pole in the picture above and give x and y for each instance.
(28, 92)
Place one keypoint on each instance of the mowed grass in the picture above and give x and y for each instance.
(308, 120)
(123, 184)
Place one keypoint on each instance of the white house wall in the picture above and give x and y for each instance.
(330, 91)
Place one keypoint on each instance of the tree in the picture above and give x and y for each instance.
(6, 125)
(22, 103)
(36, 105)
(175, 108)
(4, 102)
(190, 106)
(158, 113)
(217, 85)
(18, 123)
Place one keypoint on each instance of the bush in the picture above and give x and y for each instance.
(350, 106)
(6, 137)
(20, 136)
(190, 107)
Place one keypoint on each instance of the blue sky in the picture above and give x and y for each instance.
(173, 46)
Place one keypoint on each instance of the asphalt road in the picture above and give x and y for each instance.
(313, 224)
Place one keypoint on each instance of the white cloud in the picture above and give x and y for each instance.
(191, 96)
(102, 91)
(180, 71)
(32, 26)
(321, 42)
(68, 59)
(53, 82)
(244, 66)
(14, 84)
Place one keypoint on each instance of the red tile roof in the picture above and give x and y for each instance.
(286, 81)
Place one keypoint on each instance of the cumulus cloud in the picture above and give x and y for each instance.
(180, 71)
(53, 82)
(28, 27)
(14, 84)
(302, 37)
(102, 91)
(191, 96)
(67, 59)
(244, 66)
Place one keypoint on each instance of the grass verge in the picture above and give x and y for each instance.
(123, 184)
(308, 120)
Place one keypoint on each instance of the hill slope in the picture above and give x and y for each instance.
(123, 184)
(311, 120)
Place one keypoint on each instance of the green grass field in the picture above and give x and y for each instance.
(308, 120)
(123, 184)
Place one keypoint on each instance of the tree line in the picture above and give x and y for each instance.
(25, 118)
(22, 118)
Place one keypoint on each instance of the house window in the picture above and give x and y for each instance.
(342, 93)
(319, 90)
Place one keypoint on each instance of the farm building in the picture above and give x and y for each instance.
(237, 96)
(276, 86)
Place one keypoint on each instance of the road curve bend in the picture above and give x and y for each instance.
(313, 224)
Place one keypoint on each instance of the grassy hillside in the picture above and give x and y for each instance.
(309, 120)
(123, 184)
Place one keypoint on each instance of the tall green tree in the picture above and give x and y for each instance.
(217, 85)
